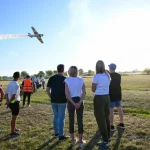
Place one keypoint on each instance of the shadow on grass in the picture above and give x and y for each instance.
(120, 134)
(97, 137)
(9, 111)
(46, 143)
(52, 147)
(90, 145)
(8, 137)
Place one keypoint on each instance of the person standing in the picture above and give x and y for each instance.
(75, 93)
(100, 87)
(27, 88)
(56, 92)
(115, 96)
(2, 93)
(13, 100)
(1, 99)
(43, 81)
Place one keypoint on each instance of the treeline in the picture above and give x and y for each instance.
(49, 73)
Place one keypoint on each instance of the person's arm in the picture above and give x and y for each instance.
(48, 92)
(2, 94)
(83, 93)
(68, 94)
(22, 85)
(32, 87)
(48, 88)
(94, 87)
(94, 84)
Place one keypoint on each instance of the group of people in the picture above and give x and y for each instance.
(37, 83)
(69, 93)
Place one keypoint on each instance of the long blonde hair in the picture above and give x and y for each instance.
(100, 66)
(73, 71)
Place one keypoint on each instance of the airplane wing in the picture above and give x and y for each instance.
(35, 32)
(40, 40)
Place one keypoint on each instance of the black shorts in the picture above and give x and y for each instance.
(14, 108)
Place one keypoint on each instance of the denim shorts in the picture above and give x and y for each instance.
(115, 104)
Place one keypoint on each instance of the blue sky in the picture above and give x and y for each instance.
(76, 32)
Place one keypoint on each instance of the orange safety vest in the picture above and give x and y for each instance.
(27, 87)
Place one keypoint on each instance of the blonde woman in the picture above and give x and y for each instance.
(100, 87)
(75, 93)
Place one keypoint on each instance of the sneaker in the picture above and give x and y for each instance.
(103, 144)
(56, 135)
(112, 128)
(17, 130)
(63, 138)
(82, 144)
(74, 142)
(14, 134)
(120, 125)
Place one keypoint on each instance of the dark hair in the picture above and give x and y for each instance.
(16, 75)
(60, 68)
(27, 76)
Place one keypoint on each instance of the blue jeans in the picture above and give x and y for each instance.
(59, 110)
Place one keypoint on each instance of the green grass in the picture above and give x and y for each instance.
(36, 122)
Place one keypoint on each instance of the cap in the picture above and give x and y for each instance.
(112, 66)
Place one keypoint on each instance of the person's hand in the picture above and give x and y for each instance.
(77, 105)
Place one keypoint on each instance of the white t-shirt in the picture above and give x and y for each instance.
(13, 88)
(36, 79)
(42, 79)
(103, 82)
(75, 85)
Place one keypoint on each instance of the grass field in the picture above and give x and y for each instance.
(36, 121)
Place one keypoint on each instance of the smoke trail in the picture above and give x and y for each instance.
(11, 36)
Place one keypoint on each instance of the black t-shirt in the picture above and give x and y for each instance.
(115, 87)
(57, 85)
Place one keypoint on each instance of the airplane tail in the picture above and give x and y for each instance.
(29, 35)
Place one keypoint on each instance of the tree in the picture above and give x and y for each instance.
(147, 71)
(41, 73)
(1, 78)
(65, 73)
(49, 72)
(80, 71)
(55, 71)
(90, 72)
(24, 73)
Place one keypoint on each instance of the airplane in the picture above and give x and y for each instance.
(36, 34)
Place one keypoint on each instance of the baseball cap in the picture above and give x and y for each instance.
(112, 66)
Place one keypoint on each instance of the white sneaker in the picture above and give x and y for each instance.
(74, 142)
(82, 144)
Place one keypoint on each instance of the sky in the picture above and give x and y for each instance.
(76, 32)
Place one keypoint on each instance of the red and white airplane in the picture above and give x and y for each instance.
(36, 34)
